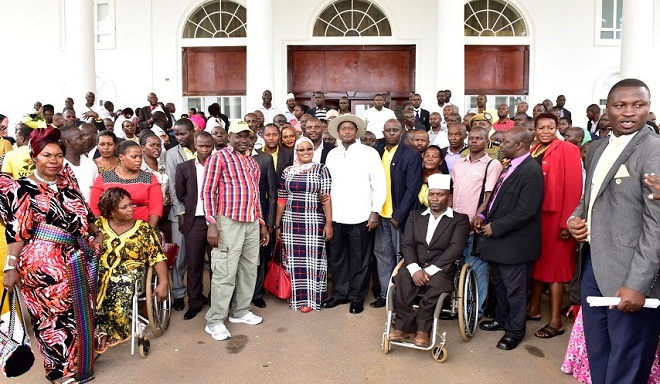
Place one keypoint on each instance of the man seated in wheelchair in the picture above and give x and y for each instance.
(432, 241)
(128, 246)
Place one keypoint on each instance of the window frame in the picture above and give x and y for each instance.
(598, 40)
(112, 27)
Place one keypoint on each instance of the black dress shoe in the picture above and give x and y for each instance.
(379, 303)
(448, 316)
(259, 303)
(191, 313)
(356, 307)
(491, 325)
(331, 303)
(178, 304)
(508, 343)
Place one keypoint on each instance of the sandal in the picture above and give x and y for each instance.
(548, 332)
(101, 350)
(533, 318)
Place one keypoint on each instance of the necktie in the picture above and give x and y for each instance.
(607, 159)
(498, 184)
(417, 115)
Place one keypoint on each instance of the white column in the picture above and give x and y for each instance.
(637, 39)
(260, 61)
(450, 56)
(80, 51)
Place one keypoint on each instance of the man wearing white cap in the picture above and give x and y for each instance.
(290, 105)
(358, 193)
(432, 241)
(230, 193)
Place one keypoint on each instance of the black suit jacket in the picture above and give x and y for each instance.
(284, 159)
(567, 113)
(406, 177)
(145, 114)
(187, 191)
(447, 243)
(424, 116)
(515, 218)
(267, 187)
(326, 149)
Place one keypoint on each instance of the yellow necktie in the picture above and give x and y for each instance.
(607, 159)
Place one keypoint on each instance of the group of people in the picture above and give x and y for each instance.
(87, 208)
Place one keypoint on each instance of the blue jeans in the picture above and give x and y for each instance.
(387, 249)
(480, 267)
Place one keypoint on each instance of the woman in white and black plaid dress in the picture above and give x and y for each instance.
(304, 222)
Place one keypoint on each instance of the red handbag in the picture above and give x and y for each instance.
(278, 281)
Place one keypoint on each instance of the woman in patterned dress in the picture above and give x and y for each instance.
(49, 228)
(304, 223)
(143, 186)
(128, 246)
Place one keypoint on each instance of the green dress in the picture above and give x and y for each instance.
(123, 260)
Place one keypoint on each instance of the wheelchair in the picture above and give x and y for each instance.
(462, 301)
(157, 312)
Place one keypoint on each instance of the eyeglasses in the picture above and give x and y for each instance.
(305, 150)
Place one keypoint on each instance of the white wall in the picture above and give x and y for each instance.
(147, 56)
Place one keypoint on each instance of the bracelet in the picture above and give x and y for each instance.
(10, 267)
(277, 227)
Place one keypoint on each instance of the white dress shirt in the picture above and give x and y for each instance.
(358, 183)
(376, 119)
(85, 173)
(316, 158)
(199, 171)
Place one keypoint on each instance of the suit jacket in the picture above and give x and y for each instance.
(624, 227)
(326, 149)
(406, 181)
(424, 116)
(284, 159)
(447, 243)
(567, 113)
(515, 217)
(267, 187)
(173, 157)
(187, 192)
(145, 114)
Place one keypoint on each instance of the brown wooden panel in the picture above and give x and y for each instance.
(358, 72)
(214, 71)
(496, 69)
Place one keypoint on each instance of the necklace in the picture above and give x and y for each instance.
(42, 180)
(538, 152)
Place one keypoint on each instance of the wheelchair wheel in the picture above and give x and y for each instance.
(468, 302)
(144, 346)
(439, 354)
(158, 312)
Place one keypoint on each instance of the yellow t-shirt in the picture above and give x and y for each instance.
(189, 154)
(388, 207)
(17, 163)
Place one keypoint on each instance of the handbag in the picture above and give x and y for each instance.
(278, 280)
(478, 240)
(171, 250)
(15, 352)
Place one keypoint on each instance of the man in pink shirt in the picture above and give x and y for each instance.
(474, 178)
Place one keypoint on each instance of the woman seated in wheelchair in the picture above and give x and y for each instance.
(128, 246)
(432, 241)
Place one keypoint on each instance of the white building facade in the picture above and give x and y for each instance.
(195, 52)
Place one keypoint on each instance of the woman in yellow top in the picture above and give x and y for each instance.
(128, 246)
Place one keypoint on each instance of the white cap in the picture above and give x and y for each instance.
(290, 96)
(439, 181)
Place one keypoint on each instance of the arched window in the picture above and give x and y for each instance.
(216, 19)
(352, 18)
(493, 18)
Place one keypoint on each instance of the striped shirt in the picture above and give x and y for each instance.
(231, 187)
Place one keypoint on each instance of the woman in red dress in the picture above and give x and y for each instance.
(562, 176)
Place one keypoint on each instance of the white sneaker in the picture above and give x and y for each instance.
(218, 332)
(249, 318)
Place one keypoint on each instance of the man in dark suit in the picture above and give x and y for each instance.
(593, 114)
(268, 199)
(282, 157)
(421, 114)
(511, 225)
(403, 169)
(563, 112)
(313, 130)
(184, 151)
(194, 224)
(618, 226)
(432, 241)
(145, 118)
